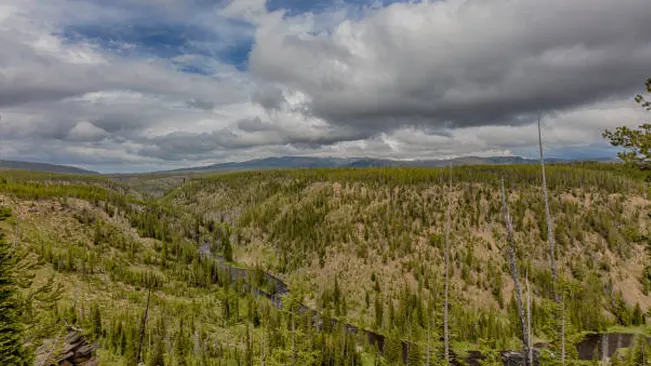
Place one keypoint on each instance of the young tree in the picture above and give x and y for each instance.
(96, 321)
(228, 249)
(393, 349)
(158, 357)
(414, 357)
(379, 312)
(12, 351)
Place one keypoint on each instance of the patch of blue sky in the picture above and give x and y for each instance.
(161, 40)
(297, 7)
(167, 40)
(593, 151)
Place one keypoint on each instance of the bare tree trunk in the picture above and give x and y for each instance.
(446, 332)
(550, 240)
(143, 326)
(408, 337)
(428, 342)
(514, 269)
(293, 336)
(529, 329)
(263, 346)
(17, 234)
(604, 349)
(548, 217)
(563, 328)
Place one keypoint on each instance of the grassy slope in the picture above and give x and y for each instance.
(60, 233)
(313, 226)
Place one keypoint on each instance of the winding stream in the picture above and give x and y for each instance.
(607, 343)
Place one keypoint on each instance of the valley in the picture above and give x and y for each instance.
(315, 266)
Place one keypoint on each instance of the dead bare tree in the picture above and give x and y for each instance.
(446, 331)
(563, 328)
(550, 240)
(428, 342)
(293, 337)
(263, 344)
(514, 269)
(529, 329)
(548, 217)
(17, 233)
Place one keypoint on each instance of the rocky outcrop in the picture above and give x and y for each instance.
(77, 351)
(518, 358)
(73, 351)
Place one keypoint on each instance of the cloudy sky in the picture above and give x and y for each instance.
(132, 85)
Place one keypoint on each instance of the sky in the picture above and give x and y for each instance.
(141, 85)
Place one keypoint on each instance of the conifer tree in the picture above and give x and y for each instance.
(12, 351)
(96, 321)
(228, 249)
(379, 312)
(158, 357)
(393, 349)
(414, 358)
(181, 345)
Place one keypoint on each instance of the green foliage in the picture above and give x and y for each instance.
(393, 350)
(636, 142)
(96, 321)
(12, 351)
(414, 357)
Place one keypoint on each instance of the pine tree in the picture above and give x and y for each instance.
(181, 345)
(96, 321)
(158, 356)
(638, 315)
(393, 350)
(12, 351)
(228, 249)
(638, 354)
(379, 312)
(414, 358)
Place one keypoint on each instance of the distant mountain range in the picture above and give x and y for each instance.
(42, 167)
(296, 162)
(300, 162)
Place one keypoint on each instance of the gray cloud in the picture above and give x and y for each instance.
(434, 79)
(459, 63)
(254, 125)
(37, 78)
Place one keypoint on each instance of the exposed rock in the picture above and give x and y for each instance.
(518, 358)
(74, 351)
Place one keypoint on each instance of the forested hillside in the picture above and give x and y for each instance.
(364, 246)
